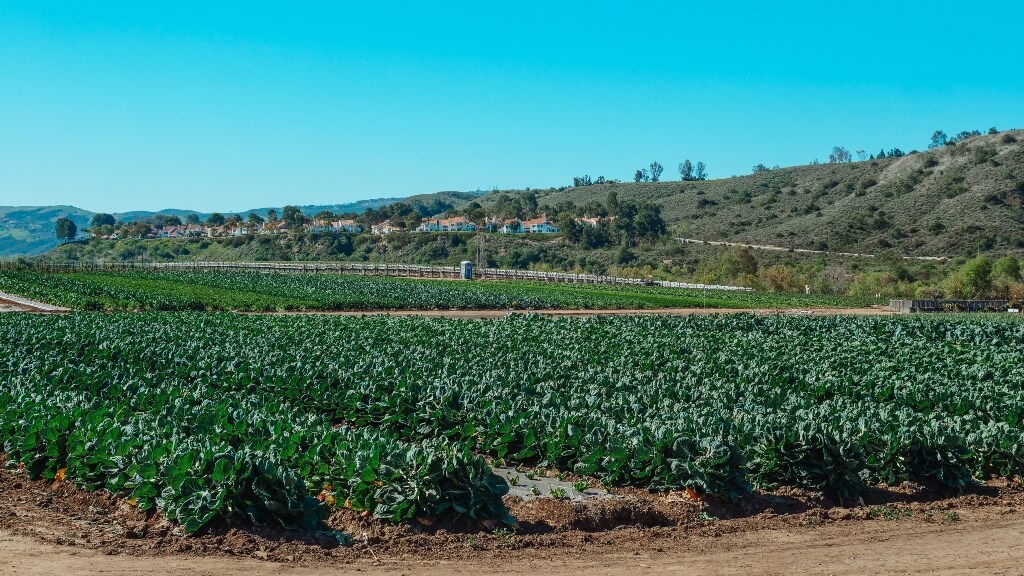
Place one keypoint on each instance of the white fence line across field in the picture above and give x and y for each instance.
(398, 270)
(29, 303)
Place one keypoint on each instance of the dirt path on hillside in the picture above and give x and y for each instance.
(981, 542)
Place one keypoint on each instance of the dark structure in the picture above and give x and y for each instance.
(908, 306)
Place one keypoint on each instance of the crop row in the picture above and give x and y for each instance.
(223, 290)
(199, 414)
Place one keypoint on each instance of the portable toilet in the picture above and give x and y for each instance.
(466, 270)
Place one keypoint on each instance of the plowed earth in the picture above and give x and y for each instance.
(50, 527)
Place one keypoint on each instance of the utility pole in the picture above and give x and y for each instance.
(480, 248)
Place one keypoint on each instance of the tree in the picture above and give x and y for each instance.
(642, 175)
(881, 154)
(192, 219)
(993, 130)
(292, 216)
(685, 170)
(648, 223)
(271, 215)
(702, 173)
(474, 212)
(255, 219)
(611, 203)
(138, 230)
(938, 139)
(102, 220)
(1007, 268)
(215, 219)
(839, 155)
(760, 168)
(972, 280)
(65, 229)
(234, 219)
(656, 169)
(862, 155)
(325, 215)
(531, 202)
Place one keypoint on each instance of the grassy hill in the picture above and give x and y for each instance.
(949, 201)
(28, 230)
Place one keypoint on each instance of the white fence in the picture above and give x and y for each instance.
(397, 270)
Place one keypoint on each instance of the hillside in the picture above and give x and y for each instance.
(949, 201)
(28, 230)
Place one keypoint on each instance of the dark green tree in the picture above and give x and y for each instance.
(656, 169)
(292, 216)
(939, 138)
(102, 220)
(686, 170)
(65, 229)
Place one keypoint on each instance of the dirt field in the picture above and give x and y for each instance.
(52, 528)
(982, 542)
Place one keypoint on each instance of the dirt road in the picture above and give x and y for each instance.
(989, 542)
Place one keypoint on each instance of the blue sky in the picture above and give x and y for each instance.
(119, 106)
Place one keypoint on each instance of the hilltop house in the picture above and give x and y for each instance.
(512, 226)
(335, 226)
(456, 224)
(386, 227)
(540, 225)
(593, 222)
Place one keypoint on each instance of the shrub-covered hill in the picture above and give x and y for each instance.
(947, 201)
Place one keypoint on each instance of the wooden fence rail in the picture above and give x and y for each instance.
(397, 270)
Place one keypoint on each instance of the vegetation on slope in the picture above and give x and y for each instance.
(948, 201)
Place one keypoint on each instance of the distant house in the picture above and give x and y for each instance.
(350, 226)
(386, 227)
(456, 224)
(334, 226)
(170, 232)
(592, 222)
(540, 225)
(280, 227)
(511, 226)
(431, 225)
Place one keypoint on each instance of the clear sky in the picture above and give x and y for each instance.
(115, 106)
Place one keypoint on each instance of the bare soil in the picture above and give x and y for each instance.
(50, 527)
